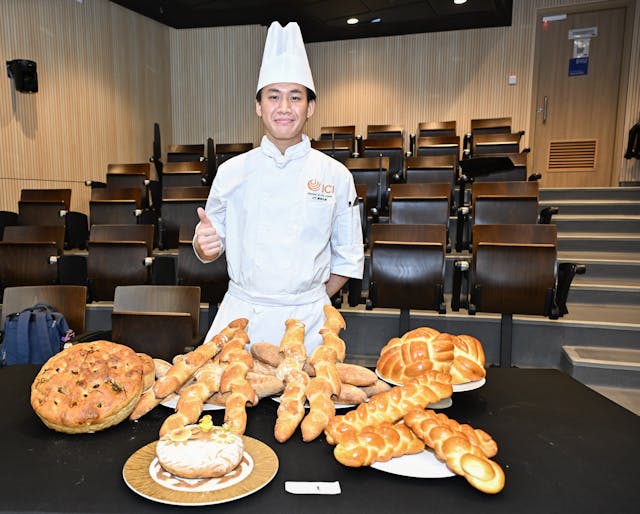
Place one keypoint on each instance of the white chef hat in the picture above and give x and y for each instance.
(284, 58)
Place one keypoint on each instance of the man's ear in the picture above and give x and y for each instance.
(311, 108)
(258, 109)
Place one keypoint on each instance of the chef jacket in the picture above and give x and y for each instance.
(285, 222)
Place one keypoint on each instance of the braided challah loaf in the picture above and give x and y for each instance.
(468, 360)
(415, 353)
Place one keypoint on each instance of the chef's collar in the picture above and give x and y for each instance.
(293, 152)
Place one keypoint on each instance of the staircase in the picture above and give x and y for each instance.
(601, 228)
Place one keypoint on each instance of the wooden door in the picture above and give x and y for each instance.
(576, 106)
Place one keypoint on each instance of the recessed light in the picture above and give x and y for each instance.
(458, 2)
(376, 20)
(352, 21)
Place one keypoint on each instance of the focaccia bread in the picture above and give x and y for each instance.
(200, 451)
(88, 387)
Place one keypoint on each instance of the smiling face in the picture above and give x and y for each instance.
(284, 109)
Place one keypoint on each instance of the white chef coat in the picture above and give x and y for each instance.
(285, 222)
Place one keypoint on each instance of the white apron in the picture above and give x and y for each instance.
(286, 223)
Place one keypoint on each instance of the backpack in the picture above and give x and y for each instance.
(33, 335)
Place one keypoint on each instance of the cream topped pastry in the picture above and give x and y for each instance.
(200, 451)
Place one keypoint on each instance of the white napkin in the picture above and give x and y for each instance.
(312, 487)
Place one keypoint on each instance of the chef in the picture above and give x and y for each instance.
(284, 213)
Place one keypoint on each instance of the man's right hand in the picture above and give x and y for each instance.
(207, 241)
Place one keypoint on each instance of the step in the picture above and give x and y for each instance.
(626, 397)
(603, 267)
(593, 207)
(606, 366)
(598, 242)
(619, 224)
(605, 293)
(590, 193)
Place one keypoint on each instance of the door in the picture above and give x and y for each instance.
(577, 97)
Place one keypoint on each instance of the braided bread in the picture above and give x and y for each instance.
(377, 444)
(291, 408)
(468, 360)
(392, 405)
(333, 324)
(457, 449)
(415, 353)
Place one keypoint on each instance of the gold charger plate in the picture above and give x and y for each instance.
(143, 475)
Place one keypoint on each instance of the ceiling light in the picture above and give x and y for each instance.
(376, 20)
(352, 21)
(458, 2)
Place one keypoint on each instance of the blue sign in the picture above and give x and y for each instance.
(578, 66)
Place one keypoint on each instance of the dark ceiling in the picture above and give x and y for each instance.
(325, 20)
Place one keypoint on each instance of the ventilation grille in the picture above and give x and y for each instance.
(572, 155)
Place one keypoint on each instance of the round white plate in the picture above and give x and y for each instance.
(306, 404)
(445, 403)
(469, 386)
(172, 401)
(419, 465)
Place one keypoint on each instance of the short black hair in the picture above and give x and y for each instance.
(310, 95)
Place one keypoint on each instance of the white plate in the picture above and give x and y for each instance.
(306, 404)
(445, 403)
(469, 386)
(457, 388)
(419, 465)
(172, 401)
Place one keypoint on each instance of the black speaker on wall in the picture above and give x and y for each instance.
(24, 75)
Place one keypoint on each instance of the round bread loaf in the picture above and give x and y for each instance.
(200, 451)
(88, 387)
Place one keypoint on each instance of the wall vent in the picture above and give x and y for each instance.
(578, 155)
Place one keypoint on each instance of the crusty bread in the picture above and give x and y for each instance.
(88, 387)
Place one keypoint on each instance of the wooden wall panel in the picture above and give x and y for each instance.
(104, 79)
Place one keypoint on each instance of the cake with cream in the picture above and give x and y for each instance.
(200, 451)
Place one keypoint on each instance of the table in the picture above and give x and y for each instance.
(563, 447)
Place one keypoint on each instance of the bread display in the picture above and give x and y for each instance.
(88, 387)
(200, 451)
(424, 349)
(465, 451)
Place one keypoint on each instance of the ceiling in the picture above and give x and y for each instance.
(325, 20)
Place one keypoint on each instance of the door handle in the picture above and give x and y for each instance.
(545, 109)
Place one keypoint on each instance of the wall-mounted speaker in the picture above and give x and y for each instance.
(24, 75)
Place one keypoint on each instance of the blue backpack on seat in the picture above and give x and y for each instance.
(33, 335)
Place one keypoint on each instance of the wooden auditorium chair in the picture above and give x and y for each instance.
(184, 173)
(433, 168)
(391, 147)
(179, 207)
(159, 320)
(225, 151)
(339, 149)
(373, 172)
(407, 269)
(438, 145)
(111, 206)
(186, 153)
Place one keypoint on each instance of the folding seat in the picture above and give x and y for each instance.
(438, 145)
(513, 270)
(437, 128)
(339, 149)
(225, 151)
(490, 125)
(109, 206)
(503, 171)
(53, 205)
(499, 143)
(161, 321)
(342, 135)
(407, 269)
(373, 172)
(493, 134)
(134, 175)
(419, 203)
(186, 173)
(212, 278)
(118, 255)
(29, 255)
(385, 131)
(179, 207)
(68, 300)
(391, 147)
(433, 168)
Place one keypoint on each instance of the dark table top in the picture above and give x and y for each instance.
(563, 447)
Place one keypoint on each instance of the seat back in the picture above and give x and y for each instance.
(438, 145)
(433, 168)
(437, 128)
(28, 263)
(123, 233)
(500, 143)
(338, 132)
(187, 173)
(36, 234)
(391, 147)
(186, 153)
(179, 207)
(136, 168)
(420, 203)
(115, 205)
(225, 151)
(373, 172)
(385, 131)
(490, 125)
(407, 266)
(514, 269)
(517, 173)
(504, 202)
(47, 195)
(68, 300)
(339, 149)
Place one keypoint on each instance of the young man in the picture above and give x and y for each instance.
(284, 213)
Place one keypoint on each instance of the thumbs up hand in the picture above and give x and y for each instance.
(207, 241)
